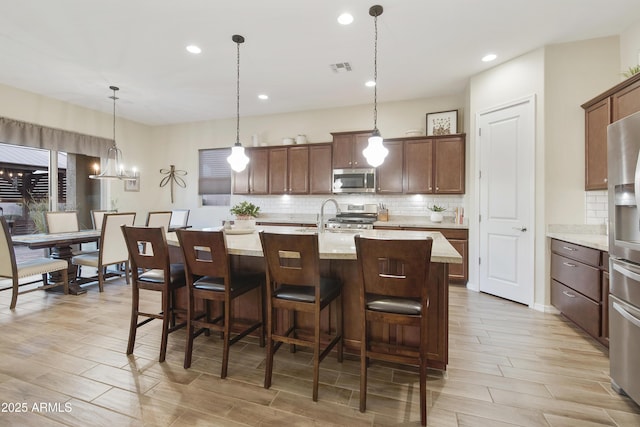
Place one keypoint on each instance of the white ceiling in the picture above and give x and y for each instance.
(72, 50)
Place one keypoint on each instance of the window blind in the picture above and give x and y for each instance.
(214, 171)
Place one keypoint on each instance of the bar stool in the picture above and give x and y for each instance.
(209, 277)
(151, 270)
(393, 290)
(294, 284)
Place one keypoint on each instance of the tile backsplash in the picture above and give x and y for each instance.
(596, 207)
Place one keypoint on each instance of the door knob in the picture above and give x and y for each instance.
(523, 229)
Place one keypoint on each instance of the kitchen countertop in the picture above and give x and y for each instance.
(394, 221)
(335, 245)
(591, 236)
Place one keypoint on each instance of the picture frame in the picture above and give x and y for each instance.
(442, 123)
(132, 185)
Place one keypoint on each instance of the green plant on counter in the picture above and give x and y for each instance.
(631, 71)
(245, 209)
(436, 208)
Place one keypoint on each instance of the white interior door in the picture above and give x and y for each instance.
(506, 139)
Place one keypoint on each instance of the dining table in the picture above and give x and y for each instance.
(59, 245)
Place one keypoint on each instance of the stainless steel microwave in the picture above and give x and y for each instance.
(354, 180)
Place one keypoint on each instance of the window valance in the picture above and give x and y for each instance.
(36, 136)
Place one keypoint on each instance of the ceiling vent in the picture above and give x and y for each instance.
(340, 67)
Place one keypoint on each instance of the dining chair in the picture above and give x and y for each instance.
(159, 219)
(294, 284)
(179, 219)
(67, 222)
(15, 271)
(97, 217)
(393, 291)
(112, 248)
(210, 278)
(152, 270)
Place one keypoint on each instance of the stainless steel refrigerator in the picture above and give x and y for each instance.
(623, 146)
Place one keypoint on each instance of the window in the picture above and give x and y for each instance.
(214, 176)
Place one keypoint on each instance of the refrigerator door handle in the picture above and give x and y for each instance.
(624, 313)
(626, 271)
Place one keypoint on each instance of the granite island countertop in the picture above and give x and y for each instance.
(585, 235)
(335, 245)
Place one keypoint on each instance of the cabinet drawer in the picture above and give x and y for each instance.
(577, 252)
(584, 312)
(578, 276)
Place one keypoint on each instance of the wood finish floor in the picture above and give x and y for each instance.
(508, 366)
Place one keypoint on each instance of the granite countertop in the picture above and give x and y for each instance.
(394, 221)
(585, 235)
(336, 245)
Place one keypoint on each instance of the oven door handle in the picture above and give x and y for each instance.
(626, 270)
(624, 313)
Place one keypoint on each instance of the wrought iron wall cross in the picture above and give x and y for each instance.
(173, 175)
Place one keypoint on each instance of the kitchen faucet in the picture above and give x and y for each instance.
(321, 226)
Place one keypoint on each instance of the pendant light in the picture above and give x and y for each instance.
(115, 168)
(375, 152)
(238, 160)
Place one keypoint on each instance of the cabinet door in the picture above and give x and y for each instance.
(320, 171)
(597, 118)
(389, 174)
(241, 180)
(360, 143)
(278, 173)
(342, 149)
(298, 170)
(449, 165)
(458, 272)
(259, 171)
(418, 170)
(626, 101)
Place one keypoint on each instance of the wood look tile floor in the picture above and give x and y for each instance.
(63, 363)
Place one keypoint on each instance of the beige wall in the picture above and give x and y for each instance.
(574, 74)
(630, 47)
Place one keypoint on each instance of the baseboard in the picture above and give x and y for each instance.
(546, 308)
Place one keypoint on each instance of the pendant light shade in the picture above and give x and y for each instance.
(238, 159)
(375, 152)
(115, 167)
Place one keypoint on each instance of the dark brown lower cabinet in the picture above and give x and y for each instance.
(580, 287)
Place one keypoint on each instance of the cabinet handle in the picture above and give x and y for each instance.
(569, 249)
(605, 180)
(568, 294)
(568, 264)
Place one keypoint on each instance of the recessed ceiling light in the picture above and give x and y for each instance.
(193, 49)
(490, 57)
(345, 19)
(263, 96)
(370, 83)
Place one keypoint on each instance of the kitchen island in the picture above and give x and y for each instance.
(338, 259)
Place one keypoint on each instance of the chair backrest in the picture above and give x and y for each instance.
(113, 248)
(205, 253)
(154, 237)
(159, 219)
(7, 256)
(97, 216)
(398, 268)
(291, 259)
(62, 222)
(179, 218)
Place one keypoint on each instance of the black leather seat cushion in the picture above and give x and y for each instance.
(238, 282)
(157, 275)
(329, 289)
(394, 305)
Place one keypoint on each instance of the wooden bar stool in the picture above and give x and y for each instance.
(393, 290)
(209, 277)
(294, 284)
(151, 270)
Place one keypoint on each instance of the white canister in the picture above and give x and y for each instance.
(301, 139)
(287, 141)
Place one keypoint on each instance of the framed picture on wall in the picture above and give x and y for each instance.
(442, 123)
(132, 185)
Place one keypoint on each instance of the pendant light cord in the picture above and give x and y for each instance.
(375, 74)
(114, 97)
(238, 94)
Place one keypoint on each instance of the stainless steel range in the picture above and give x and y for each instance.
(354, 217)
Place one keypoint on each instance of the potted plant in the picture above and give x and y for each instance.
(246, 214)
(436, 212)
